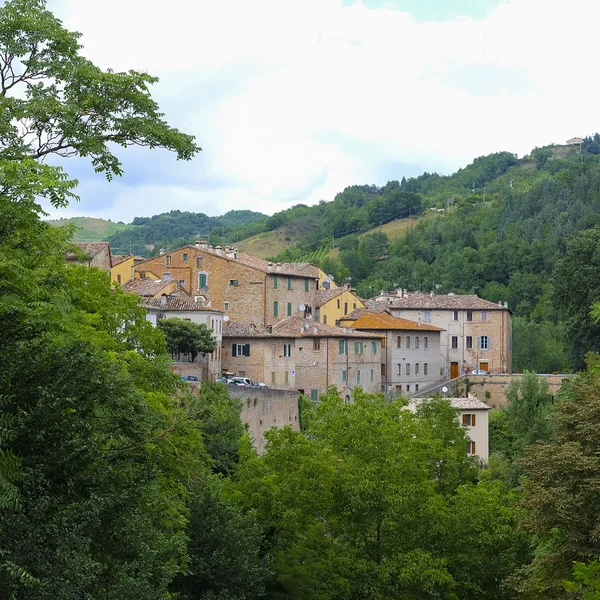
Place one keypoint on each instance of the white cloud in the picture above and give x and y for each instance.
(293, 101)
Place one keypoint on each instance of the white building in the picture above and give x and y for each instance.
(167, 307)
(474, 415)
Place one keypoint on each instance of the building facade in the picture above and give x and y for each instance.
(206, 367)
(95, 254)
(478, 333)
(304, 355)
(332, 305)
(122, 269)
(245, 288)
(411, 358)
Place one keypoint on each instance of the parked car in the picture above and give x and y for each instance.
(260, 384)
(192, 378)
(223, 380)
(479, 372)
(242, 381)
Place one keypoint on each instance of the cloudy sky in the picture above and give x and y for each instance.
(293, 101)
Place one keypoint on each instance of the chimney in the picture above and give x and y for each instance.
(404, 293)
(399, 293)
(163, 300)
(279, 266)
(270, 328)
(230, 252)
(201, 244)
(431, 293)
(162, 251)
(269, 264)
(506, 305)
(218, 250)
(500, 303)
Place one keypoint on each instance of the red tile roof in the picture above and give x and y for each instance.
(92, 249)
(147, 287)
(176, 304)
(372, 320)
(416, 300)
(117, 259)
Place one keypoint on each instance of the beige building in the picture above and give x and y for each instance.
(245, 288)
(167, 307)
(411, 359)
(473, 414)
(303, 354)
(478, 333)
(332, 305)
(95, 254)
(122, 269)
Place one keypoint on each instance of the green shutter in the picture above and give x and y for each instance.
(246, 349)
(234, 350)
(275, 308)
(275, 281)
(306, 285)
(202, 280)
(341, 346)
(314, 395)
(289, 283)
(289, 309)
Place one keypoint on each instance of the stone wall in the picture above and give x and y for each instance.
(263, 409)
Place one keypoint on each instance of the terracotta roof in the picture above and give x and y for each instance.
(147, 287)
(293, 327)
(355, 314)
(90, 248)
(416, 300)
(117, 259)
(323, 296)
(383, 320)
(291, 269)
(175, 303)
(470, 403)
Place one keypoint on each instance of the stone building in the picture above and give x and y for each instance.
(473, 414)
(333, 304)
(305, 355)
(167, 307)
(245, 288)
(95, 254)
(478, 333)
(411, 359)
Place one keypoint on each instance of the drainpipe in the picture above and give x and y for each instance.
(265, 303)
(327, 361)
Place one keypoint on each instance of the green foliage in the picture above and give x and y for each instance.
(185, 337)
(587, 580)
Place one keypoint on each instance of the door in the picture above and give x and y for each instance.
(484, 366)
(453, 370)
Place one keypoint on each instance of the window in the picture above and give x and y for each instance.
(416, 341)
(383, 371)
(289, 283)
(275, 308)
(316, 344)
(289, 309)
(454, 342)
(399, 342)
(166, 275)
(185, 257)
(233, 282)
(181, 283)
(372, 374)
(469, 342)
(383, 342)
(202, 280)
(399, 368)
(168, 259)
(358, 347)
(471, 447)
(338, 303)
(408, 341)
(240, 350)
(425, 340)
(469, 419)
(226, 306)
(324, 319)
(314, 395)
(286, 377)
(374, 347)
(416, 387)
(408, 368)
(354, 305)
(484, 315)
(272, 377)
(424, 368)
(357, 376)
(287, 350)
(344, 375)
(455, 315)
(198, 261)
(275, 282)
(399, 388)
(306, 288)
(483, 342)
(416, 368)
(345, 308)
(427, 316)
(343, 346)
(118, 278)
(212, 324)
(408, 387)
(469, 315)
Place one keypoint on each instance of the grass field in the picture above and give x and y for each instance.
(90, 229)
(269, 243)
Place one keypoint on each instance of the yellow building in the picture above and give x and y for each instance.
(121, 270)
(333, 304)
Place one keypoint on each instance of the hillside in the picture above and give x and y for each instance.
(90, 229)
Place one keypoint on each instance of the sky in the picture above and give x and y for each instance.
(292, 101)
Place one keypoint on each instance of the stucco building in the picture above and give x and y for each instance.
(473, 414)
(303, 354)
(167, 307)
(411, 358)
(92, 254)
(478, 333)
(333, 304)
(122, 268)
(245, 288)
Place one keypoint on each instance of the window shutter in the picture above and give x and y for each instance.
(246, 349)
(234, 350)
(399, 342)
(341, 346)
(478, 342)
(489, 342)
(464, 419)
(473, 420)
(473, 448)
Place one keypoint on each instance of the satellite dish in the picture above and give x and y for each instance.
(225, 318)
(302, 307)
(445, 389)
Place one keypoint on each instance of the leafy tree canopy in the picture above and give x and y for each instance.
(185, 337)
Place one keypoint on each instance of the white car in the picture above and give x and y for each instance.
(242, 381)
(479, 372)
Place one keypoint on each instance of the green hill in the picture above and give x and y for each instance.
(90, 229)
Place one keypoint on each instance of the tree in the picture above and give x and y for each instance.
(185, 337)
